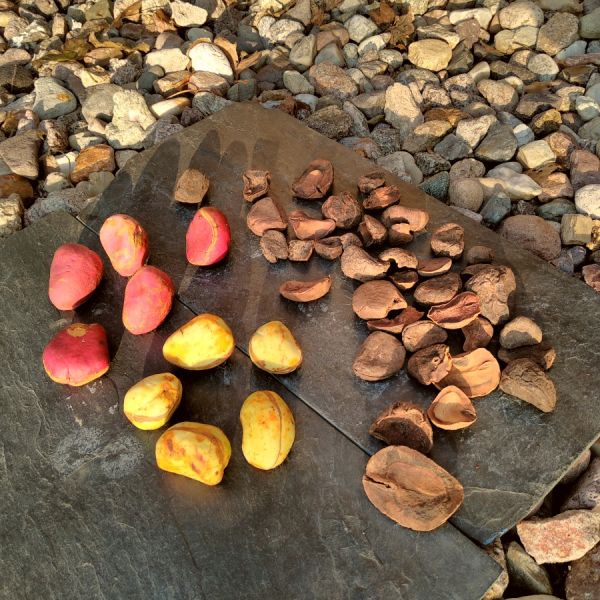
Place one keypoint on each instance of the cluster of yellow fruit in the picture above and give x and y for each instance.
(202, 451)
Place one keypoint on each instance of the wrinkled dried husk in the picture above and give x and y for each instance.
(265, 214)
(422, 334)
(403, 258)
(380, 356)
(543, 354)
(344, 209)
(448, 240)
(358, 264)
(527, 381)
(430, 365)
(478, 334)
(456, 313)
(438, 290)
(382, 198)
(329, 248)
(274, 246)
(371, 181)
(316, 180)
(375, 299)
(404, 424)
(494, 285)
(256, 184)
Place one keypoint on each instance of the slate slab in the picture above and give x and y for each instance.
(85, 513)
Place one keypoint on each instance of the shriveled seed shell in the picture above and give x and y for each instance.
(191, 187)
(476, 373)
(456, 313)
(473, 270)
(434, 266)
(411, 489)
(382, 198)
(350, 239)
(371, 231)
(438, 290)
(371, 181)
(358, 264)
(404, 424)
(521, 331)
(478, 334)
(307, 228)
(305, 291)
(265, 214)
(396, 324)
(375, 299)
(329, 248)
(543, 354)
(430, 365)
(417, 218)
(527, 381)
(422, 334)
(380, 356)
(344, 209)
(300, 250)
(256, 184)
(494, 285)
(405, 280)
(316, 180)
(452, 409)
(448, 240)
(403, 258)
(399, 233)
(479, 254)
(274, 246)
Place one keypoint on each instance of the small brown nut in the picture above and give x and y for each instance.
(305, 291)
(329, 248)
(422, 334)
(300, 250)
(494, 284)
(478, 334)
(372, 231)
(448, 240)
(400, 233)
(344, 209)
(479, 254)
(264, 215)
(371, 181)
(382, 197)
(476, 373)
(349, 239)
(415, 217)
(273, 245)
(521, 331)
(434, 266)
(404, 424)
(403, 258)
(358, 264)
(543, 354)
(438, 290)
(396, 324)
(375, 299)
(256, 184)
(405, 280)
(430, 365)
(307, 228)
(380, 356)
(456, 313)
(452, 409)
(191, 187)
(316, 180)
(527, 381)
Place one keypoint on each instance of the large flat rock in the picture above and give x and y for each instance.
(85, 513)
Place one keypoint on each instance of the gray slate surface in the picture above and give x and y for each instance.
(85, 513)
(513, 455)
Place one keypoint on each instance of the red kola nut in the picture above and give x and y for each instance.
(208, 237)
(125, 242)
(75, 273)
(148, 299)
(77, 354)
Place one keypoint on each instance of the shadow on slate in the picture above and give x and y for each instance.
(86, 513)
(513, 455)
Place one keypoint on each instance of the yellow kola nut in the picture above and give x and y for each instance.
(268, 429)
(274, 349)
(194, 450)
(202, 343)
(150, 403)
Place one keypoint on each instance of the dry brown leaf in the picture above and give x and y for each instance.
(248, 61)
(384, 15)
(452, 115)
(540, 175)
(401, 30)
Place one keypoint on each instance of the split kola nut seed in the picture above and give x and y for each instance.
(274, 349)
(150, 403)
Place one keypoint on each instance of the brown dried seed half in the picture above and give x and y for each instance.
(494, 285)
(274, 245)
(371, 181)
(478, 334)
(438, 290)
(264, 215)
(316, 180)
(403, 258)
(350, 239)
(452, 409)
(434, 266)
(400, 233)
(404, 424)
(344, 209)
(422, 334)
(456, 313)
(473, 270)
(543, 354)
(358, 264)
(448, 240)
(521, 331)
(479, 254)
(417, 218)
(300, 250)
(256, 184)
(307, 228)
(411, 489)
(527, 381)
(329, 248)
(191, 187)
(380, 356)
(371, 231)
(375, 299)
(396, 324)
(430, 364)
(476, 373)
(382, 198)
(405, 280)
(305, 291)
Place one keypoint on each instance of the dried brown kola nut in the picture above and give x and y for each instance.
(274, 246)
(371, 231)
(448, 240)
(493, 284)
(316, 180)
(527, 381)
(415, 217)
(329, 248)
(380, 356)
(300, 250)
(375, 299)
(382, 198)
(434, 266)
(473, 269)
(305, 291)
(411, 489)
(344, 209)
(521, 331)
(404, 424)
(396, 324)
(422, 334)
(264, 215)
(399, 233)
(479, 254)
(191, 187)
(452, 409)
(430, 365)
(438, 290)
(371, 181)
(457, 313)
(543, 354)
(350, 239)
(476, 373)
(256, 184)
(404, 280)
(478, 334)
(404, 259)
(307, 228)
(358, 264)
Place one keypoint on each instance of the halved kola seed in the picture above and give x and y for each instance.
(274, 349)
(380, 356)
(452, 409)
(434, 266)
(415, 217)
(448, 240)
(411, 489)
(256, 184)
(150, 403)
(375, 299)
(404, 424)
(265, 214)
(202, 343)
(307, 228)
(457, 313)
(126, 244)
(194, 450)
(430, 364)
(191, 187)
(315, 181)
(358, 264)
(305, 291)
(382, 197)
(438, 290)
(395, 324)
(422, 334)
(268, 429)
(476, 373)
(478, 334)
(403, 258)
(404, 280)
(344, 209)
(208, 237)
(371, 181)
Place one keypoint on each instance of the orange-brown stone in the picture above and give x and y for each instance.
(92, 160)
